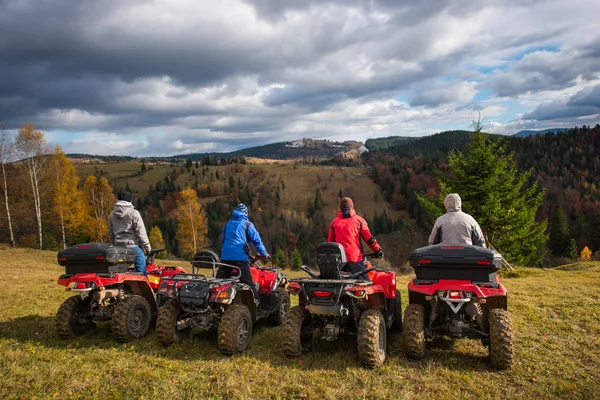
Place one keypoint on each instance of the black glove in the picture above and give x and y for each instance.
(378, 254)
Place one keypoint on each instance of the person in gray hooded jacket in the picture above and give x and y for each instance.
(456, 227)
(126, 228)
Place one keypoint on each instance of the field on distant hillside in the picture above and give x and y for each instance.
(555, 313)
(301, 183)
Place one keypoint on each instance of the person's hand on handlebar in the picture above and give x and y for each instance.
(267, 257)
(378, 254)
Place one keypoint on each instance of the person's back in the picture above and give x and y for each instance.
(235, 250)
(126, 228)
(347, 229)
(456, 227)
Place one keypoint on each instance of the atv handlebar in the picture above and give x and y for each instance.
(151, 254)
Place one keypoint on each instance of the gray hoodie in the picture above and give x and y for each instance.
(126, 227)
(456, 227)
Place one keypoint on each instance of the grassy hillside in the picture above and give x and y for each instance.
(301, 183)
(555, 313)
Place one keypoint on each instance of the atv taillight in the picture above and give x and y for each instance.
(425, 262)
(322, 293)
(62, 259)
(80, 285)
(455, 295)
(483, 263)
(356, 291)
(453, 248)
(100, 258)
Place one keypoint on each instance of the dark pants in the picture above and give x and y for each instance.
(226, 272)
(354, 267)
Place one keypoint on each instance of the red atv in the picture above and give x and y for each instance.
(338, 303)
(107, 291)
(457, 293)
(202, 303)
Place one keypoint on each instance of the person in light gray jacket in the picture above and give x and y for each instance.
(456, 227)
(126, 228)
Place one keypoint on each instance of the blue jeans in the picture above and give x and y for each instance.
(140, 260)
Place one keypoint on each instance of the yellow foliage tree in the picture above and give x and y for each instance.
(100, 200)
(192, 226)
(156, 240)
(586, 254)
(67, 200)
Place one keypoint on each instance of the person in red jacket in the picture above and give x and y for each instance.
(348, 229)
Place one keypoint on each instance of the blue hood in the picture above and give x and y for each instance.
(237, 214)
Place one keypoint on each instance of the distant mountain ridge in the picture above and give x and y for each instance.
(526, 133)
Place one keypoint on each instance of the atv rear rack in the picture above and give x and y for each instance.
(339, 281)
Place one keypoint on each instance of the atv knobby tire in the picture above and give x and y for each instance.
(282, 307)
(414, 331)
(397, 323)
(501, 339)
(131, 318)
(235, 330)
(166, 324)
(297, 332)
(371, 340)
(71, 317)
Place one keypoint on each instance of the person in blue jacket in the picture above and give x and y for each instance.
(238, 231)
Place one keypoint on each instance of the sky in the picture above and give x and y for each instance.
(165, 77)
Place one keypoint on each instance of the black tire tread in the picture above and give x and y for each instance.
(501, 339)
(397, 324)
(291, 332)
(281, 295)
(368, 339)
(414, 331)
(228, 327)
(65, 328)
(166, 324)
(120, 326)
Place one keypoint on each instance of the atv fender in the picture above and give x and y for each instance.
(377, 301)
(244, 296)
(142, 288)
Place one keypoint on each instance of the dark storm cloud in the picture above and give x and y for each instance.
(583, 103)
(204, 73)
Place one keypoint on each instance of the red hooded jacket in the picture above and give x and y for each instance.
(348, 231)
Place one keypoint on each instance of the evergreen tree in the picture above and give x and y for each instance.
(280, 259)
(572, 250)
(499, 196)
(558, 240)
(296, 260)
(318, 203)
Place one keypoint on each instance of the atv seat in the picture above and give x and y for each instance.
(205, 259)
(331, 257)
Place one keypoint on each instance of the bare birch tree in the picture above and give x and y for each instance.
(31, 149)
(6, 148)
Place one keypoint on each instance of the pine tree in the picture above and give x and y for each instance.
(558, 240)
(499, 196)
(572, 249)
(280, 259)
(192, 225)
(296, 260)
(318, 203)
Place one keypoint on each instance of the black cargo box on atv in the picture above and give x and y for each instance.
(457, 262)
(96, 258)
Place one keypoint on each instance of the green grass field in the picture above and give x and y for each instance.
(555, 313)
